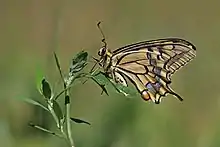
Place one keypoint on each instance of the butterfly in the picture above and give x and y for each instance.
(148, 65)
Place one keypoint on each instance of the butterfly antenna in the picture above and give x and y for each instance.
(103, 41)
(103, 35)
(105, 45)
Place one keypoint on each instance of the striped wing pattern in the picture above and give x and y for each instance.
(150, 64)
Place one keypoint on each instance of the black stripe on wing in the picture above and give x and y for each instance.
(151, 43)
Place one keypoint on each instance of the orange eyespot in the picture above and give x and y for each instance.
(145, 95)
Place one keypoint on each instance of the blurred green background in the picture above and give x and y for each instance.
(32, 29)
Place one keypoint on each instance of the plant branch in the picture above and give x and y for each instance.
(45, 130)
(68, 125)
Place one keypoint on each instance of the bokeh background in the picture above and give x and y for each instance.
(32, 29)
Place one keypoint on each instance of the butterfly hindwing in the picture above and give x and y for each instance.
(151, 84)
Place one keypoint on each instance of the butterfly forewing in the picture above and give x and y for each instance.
(169, 53)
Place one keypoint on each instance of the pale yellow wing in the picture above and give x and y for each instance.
(149, 65)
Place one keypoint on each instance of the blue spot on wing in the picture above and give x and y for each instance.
(157, 86)
(150, 87)
(157, 70)
(153, 62)
(153, 87)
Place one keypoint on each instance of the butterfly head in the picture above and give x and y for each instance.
(105, 55)
(102, 51)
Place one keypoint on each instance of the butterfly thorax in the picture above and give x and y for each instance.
(105, 58)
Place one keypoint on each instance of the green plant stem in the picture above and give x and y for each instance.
(68, 126)
(58, 95)
(69, 86)
(64, 134)
(50, 107)
(45, 130)
(67, 104)
(59, 125)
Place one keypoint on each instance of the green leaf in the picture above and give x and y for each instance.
(126, 91)
(46, 90)
(101, 79)
(44, 130)
(76, 120)
(58, 110)
(78, 62)
(58, 66)
(101, 85)
(36, 103)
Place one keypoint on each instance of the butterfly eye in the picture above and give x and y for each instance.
(102, 51)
